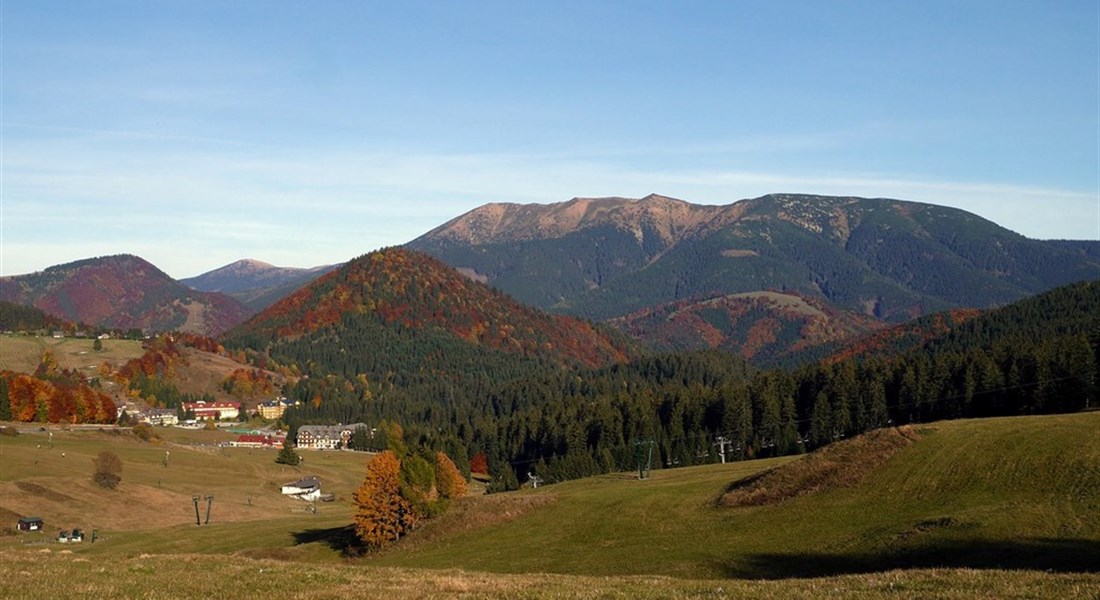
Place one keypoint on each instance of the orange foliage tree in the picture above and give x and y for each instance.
(248, 383)
(29, 398)
(383, 515)
(448, 480)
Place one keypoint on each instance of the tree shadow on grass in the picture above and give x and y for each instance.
(340, 539)
(1044, 554)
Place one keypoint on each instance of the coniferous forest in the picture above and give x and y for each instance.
(534, 412)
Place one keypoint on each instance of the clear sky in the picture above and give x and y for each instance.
(196, 133)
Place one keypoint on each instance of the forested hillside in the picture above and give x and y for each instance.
(532, 414)
(123, 292)
(762, 327)
(398, 335)
(17, 317)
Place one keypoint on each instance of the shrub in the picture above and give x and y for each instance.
(144, 432)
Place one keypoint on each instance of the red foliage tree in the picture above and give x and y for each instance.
(479, 464)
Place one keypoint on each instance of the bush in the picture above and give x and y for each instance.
(145, 432)
(106, 480)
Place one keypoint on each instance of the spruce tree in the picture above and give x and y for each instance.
(287, 455)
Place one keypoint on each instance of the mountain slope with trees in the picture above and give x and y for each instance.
(397, 335)
(414, 294)
(891, 259)
(123, 292)
(762, 327)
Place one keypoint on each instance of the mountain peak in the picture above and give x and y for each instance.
(255, 283)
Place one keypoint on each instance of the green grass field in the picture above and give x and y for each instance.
(987, 508)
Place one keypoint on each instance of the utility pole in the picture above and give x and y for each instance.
(195, 499)
(721, 443)
(645, 457)
(209, 501)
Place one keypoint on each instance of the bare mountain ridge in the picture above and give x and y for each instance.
(670, 219)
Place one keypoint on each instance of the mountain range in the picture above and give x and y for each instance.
(767, 277)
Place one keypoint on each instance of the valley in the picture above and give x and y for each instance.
(819, 392)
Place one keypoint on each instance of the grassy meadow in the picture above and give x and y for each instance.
(22, 353)
(1018, 493)
(979, 508)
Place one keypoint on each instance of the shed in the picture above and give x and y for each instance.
(30, 524)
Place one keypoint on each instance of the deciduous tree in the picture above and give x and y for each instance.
(448, 480)
(107, 468)
(383, 515)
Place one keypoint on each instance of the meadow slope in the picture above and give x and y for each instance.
(995, 508)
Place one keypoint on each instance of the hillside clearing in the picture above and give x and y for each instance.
(22, 353)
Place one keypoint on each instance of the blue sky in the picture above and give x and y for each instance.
(303, 133)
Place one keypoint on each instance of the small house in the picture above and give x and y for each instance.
(306, 488)
(30, 524)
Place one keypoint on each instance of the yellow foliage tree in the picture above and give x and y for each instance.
(383, 515)
(448, 479)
